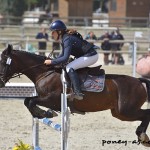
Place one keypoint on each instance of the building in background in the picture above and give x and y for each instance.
(72, 8)
(129, 8)
(77, 12)
(119, 12)
(66, 8)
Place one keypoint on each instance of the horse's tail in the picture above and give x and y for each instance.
(147, 82)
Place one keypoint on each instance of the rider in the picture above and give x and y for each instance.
(72, 44)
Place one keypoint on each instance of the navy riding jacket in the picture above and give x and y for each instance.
(73, 45)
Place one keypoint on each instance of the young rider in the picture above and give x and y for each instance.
(72, 44)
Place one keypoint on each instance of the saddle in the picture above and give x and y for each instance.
(91, 79)
(94, 71)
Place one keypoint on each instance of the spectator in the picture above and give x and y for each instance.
(105, 46)
(42, 37)
(142, 66)
(48, 17)
(119, 47)
(91, 36)
(117, 57)
(119, 37)
(114, 48)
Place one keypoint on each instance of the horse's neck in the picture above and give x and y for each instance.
(34, 68)
(35, 74)
(33, 71)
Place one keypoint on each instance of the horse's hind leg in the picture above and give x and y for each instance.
(142, 127)
(139, 115)
(30, 103)
(141, 130)
(141, 133)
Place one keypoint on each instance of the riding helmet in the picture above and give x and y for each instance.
(57, 25)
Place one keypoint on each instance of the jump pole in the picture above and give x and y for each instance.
(35, 132)
(45, 121)
(35, 129)
(65, 112)
(137, 34)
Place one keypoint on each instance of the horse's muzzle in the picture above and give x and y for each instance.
(2, 84)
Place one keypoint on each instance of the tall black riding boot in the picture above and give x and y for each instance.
(76, 84)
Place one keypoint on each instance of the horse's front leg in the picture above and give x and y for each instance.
(27, 102)
(31, 104)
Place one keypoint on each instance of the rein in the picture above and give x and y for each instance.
(18, 74)
(4, 77)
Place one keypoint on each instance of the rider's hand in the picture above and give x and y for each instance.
(47, 62)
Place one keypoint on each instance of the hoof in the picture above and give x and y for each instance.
(39, 117)
(77, 112)
(50, 114)
(144, 139)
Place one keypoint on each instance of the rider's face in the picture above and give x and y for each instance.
(55, 35)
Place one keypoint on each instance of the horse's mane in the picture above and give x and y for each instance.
(57, 68)
(30, 54)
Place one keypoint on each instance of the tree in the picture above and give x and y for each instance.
(17, 7)
(31, 3)
(12, 7)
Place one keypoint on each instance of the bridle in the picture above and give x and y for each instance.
(3, 75)
(7, 62)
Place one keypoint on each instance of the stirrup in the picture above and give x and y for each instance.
(78, 96)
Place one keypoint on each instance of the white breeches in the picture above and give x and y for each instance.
(82, 62)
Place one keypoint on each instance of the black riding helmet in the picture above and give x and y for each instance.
(57, 25)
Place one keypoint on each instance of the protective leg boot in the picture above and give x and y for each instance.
(76, 84)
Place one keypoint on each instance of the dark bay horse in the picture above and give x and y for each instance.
(123, 95)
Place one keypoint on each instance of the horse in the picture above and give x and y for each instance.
(122, 94)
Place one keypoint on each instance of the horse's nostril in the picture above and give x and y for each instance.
(2, 83)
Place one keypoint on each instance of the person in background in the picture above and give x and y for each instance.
(91, 36)
(116, 35)
(113, 36)
(48, 17)
(106, 46)
(42, 37)
(119, 37)
(120, 59)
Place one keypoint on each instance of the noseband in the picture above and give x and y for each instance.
(3, 75)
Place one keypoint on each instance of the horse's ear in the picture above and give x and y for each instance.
(9, 49)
